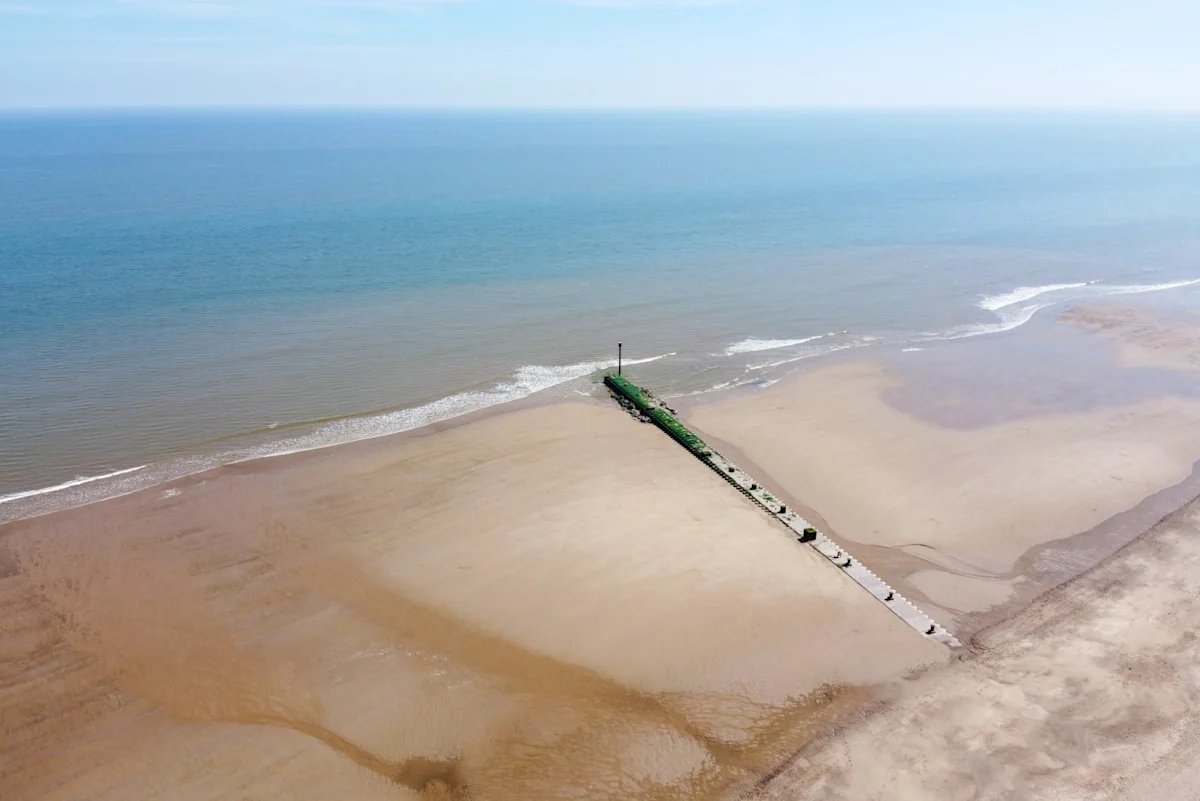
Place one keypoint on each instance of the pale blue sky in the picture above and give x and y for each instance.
(604, 53)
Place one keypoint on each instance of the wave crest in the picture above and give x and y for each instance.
(526, 381)
(752, 345)
(1023, 293)
(1137, 289)
(75, 482)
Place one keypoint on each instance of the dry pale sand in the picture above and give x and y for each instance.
(973, 499)
(1092, 693)
(555, 602)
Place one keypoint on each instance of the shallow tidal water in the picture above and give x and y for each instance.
(184, 290)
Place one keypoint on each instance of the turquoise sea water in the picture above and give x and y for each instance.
(181, 290)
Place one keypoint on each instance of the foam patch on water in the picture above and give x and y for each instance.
(1137, 289)
(753, 345)
(1011, 315)
(809, 354)
(1010, 318)
(1023, 293)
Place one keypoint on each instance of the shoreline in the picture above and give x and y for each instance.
(1098, 542)
(383, 440)
(295, 550)
(25, 507)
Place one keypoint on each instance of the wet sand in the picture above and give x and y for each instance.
(981, 497)
(952, 467)
(1092, 693)
(1089, 692)
(1144, 337)
(555, 602)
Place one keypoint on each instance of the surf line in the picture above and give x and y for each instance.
(650, 409)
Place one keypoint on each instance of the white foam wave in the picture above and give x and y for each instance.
(1010, 318)
(813, 353)
(75, 482)
(528, 380)
(1023, 293)
(1137, 289)
(736, 382)
(752, 345)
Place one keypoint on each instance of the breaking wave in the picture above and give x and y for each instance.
(1023, 293)
(526, 381)
(752, 345)
(75, 482)
(1011, 315)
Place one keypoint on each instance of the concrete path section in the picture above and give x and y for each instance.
(806, 533)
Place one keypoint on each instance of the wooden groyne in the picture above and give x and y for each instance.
(650, 409)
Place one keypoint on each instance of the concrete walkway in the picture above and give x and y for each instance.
(808, 534)
(650, 409)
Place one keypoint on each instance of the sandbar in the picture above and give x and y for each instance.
(982, 496)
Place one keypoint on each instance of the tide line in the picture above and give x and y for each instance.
(16, 496)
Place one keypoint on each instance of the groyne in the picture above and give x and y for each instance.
(647, 407)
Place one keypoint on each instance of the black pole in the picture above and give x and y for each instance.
(618, 358)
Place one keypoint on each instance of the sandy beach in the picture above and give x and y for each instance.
(548, 602)
(558, 602)
(1092, 693)
(1089, 692)
(949, 482)
(599, 400)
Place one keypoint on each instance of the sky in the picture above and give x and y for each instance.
(1122, 54)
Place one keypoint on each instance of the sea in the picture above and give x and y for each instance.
(180, 290)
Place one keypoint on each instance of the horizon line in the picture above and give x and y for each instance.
(246, 107)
